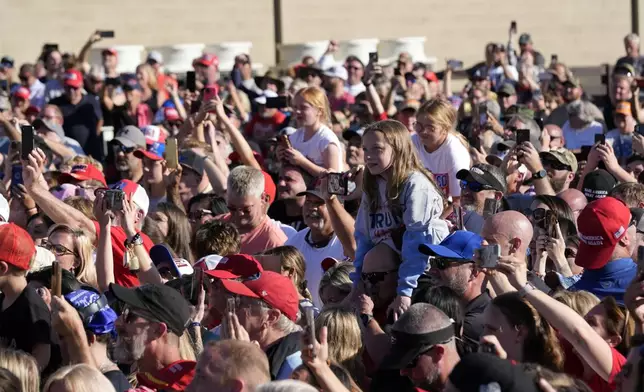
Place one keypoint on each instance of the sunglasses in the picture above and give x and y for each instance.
(414, 362)
(197, 215)
(539, 214)
(125, 150)
(474, 186)
(556, 165)
(58, 249)
(442, 263)
(375, 277)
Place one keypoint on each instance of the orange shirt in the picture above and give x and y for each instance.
(264, 236)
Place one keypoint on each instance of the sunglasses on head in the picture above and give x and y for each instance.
(197, 215)
(442, 263)
(475, 186)
(375, 277)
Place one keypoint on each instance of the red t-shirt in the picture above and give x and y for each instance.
(575, 367)
(122, 275)
(260, 128)
(175, 377)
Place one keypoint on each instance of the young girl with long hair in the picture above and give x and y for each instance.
(314, 146)
(400, 208)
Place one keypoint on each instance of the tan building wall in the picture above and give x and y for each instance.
(582, 32)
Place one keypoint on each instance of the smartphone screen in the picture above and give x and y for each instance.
(338, 184)
(27, 140)
(600, 138)
(523, 136)
(106, 33)
(373, 57)
(171, 153)
(489, 256)
(191, 81)
(277, 102)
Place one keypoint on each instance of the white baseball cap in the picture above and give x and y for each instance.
(266, 94)
(4, 209)
(337, 71)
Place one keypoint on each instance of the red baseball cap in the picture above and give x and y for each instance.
(83, 172)
(73, 78)
(235, 158)
(269, 187)
(275, 289)
(230, 267)
(171, 114)
(110, 51)
(16, 246)
(35, 110)
(22, 92)
(601, 224)
(207, 60)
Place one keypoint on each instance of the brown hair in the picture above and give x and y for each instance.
(579, 301)
(292, 260)
(80, 160)
(81, 204)
(619, 322)
(631, 193)
(541, 345)
(240, 360)
(405, 161)
(179, 231)
(215, 238)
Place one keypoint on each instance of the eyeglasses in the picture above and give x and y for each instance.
(197, 215)
(442, 263)
(125, 150)
(539, 214)
(58, 249)
(556, 165)
(375, 277)
(474, 186)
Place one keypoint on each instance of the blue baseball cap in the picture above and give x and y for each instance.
(94, 310)
(460, 244)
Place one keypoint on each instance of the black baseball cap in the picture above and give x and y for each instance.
(597, 184)
(637, 216)
(482, 173)
(191, 160)
(166, 304)
(477, 371)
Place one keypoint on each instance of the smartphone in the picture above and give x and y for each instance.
(191, 81)
(50, 47)
(112, 81)
(171, 153)
(639, 129)
(210, 92)
(16, 175)
(583, 153)
(197, 283)
(27, 140)
(338, 184)
(277, 102)
(284, 141)
(523, 136)
(489, 208)
(458, 218)
(554, 59)
(114, 199)
(309, 314)
(600, 138)
(230, 305)
(483, 117)
(106, 33)
(455, 65)
(549, 224)
(513, 27)
(373, 57)
(488, 256)
(56, 279)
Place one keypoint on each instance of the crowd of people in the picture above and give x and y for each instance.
(335, 226)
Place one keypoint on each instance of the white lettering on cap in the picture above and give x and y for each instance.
(619, 232)
(477, 171)
(592, 240)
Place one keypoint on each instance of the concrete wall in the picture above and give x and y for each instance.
(582, 32)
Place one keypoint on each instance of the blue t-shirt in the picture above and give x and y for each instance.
(610, 280)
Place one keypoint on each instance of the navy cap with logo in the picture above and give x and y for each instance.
(482, 174)
(162, 303)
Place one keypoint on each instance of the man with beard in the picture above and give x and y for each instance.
(125, 163)
(248, 202)
(153, 318)
(316, 242)
(424, 347)
(452, 263)
(481, 182)
(560, 166)
(288, 207)
(573, 93)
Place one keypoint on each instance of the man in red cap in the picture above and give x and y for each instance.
(607, 237)
(25, 321)
(110, 62)
(207, 69)
(86, 176)
(267, 308)
(82, 114)
(20, 102)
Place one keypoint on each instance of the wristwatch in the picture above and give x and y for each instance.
(540, 174)
(366, 318)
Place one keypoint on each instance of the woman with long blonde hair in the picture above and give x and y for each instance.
(23, 366)
(314, 146)
(78, 378)
(73, 250)
(400, 208)
(150, 92)
(439, 148)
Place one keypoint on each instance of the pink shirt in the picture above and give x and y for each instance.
(265, 236)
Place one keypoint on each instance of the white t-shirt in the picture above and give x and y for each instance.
(313, 258)
(314, 148)
(445, 162)
(576, 138)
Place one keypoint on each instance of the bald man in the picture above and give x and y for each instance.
(575, 199)
(228, 365)
(424, 348)
(512, 231)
